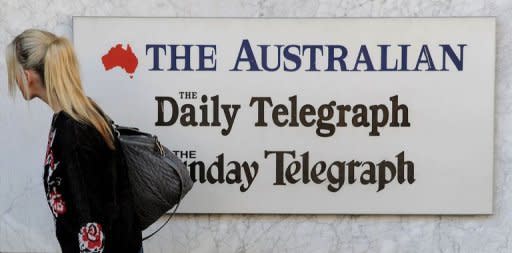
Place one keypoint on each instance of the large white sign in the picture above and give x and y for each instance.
(331, 115)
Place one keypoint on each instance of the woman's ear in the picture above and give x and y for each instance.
(32, 83)
(28, 77)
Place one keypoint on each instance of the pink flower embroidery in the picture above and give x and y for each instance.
(51, 136)
(57, 203)
(49, 158)
(53, 165)
(91, 238)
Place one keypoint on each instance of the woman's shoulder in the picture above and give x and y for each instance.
(62, 120)
(70, 131)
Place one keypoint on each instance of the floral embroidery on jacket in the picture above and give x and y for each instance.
(51, 162)
(54, 197)
(57, 203)
(91, 238)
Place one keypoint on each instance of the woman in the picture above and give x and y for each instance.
(91, 212)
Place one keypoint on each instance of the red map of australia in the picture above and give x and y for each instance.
(119, 57)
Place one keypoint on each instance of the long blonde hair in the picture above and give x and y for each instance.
(54, 59)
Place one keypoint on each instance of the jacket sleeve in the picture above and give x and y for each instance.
(87, 190)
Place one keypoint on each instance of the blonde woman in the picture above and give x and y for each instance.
(76, 178)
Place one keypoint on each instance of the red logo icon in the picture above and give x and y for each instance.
(119, 57)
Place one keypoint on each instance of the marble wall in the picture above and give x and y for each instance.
(26, 223)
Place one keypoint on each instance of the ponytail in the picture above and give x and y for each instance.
(63, 86)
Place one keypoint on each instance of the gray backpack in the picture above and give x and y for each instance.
(158, 178)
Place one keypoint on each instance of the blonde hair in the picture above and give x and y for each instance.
(53, 58)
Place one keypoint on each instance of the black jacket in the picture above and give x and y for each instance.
(79, 189)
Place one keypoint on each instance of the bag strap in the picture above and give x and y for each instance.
(116, 136)
(170, 216)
